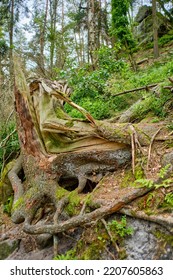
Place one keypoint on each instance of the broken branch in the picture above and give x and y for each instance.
(135, 89)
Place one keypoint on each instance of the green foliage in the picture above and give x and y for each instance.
(120, 227)
(89, 86)
(8, 205)
(120, 24)
(150, 199)
(169, 199)
(164, 184)
(9, 145)
(70, 255)
(3, 47)
(164, 170)
(166, 38)
(144, 183)
(74, 202)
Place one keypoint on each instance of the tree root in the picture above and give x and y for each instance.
(35, 197)
(80, 220)
(15, 180)
(161, 219)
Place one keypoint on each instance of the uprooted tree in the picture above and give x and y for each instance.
(61, 155)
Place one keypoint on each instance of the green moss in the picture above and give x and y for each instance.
(139, 172)
(7, 247)
(34, 190)
(127, 178)
(60, 113)
(60, 193)
(5, 187)
(7, 168)
(74, 201)
(7, 207)
(93, 251)
(18, 204)
(168, 238)
(69, 123)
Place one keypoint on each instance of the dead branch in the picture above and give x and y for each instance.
(142, 61)
(135, 89)
(169, 88)
(150, 147)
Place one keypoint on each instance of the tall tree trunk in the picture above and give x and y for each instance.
(11, 31)
(92, 44)
(53, 21)
(42, 39)
(155, 29)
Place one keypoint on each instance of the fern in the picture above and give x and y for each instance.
(144, 183)
(163, 171)
(169, 199)
(165, 184)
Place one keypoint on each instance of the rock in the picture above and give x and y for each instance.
(143, 12)
(167, 159)
(146, 241)
(7, 247)
(144, 30)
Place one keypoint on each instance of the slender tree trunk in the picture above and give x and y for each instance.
(11, 31)
(53, 15)
(92, 44)
(155, 29)
(42, 39)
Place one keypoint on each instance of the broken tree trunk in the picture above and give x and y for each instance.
(60, 154)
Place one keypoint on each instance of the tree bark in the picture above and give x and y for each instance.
(155, 29)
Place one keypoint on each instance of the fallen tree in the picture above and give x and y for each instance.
(61, 155)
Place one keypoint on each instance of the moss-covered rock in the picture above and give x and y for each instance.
(7, 247)
(5, 187)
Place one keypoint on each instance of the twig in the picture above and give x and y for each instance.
(7, 120)
(110, 235)
(135, 89)
(150, 147)
(4, 141)
(133, 153)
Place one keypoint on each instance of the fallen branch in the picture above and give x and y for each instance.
(135, 89)
(169, 88)
(142, 61)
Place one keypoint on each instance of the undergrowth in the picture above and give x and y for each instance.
(9, 144)
(95, 89)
